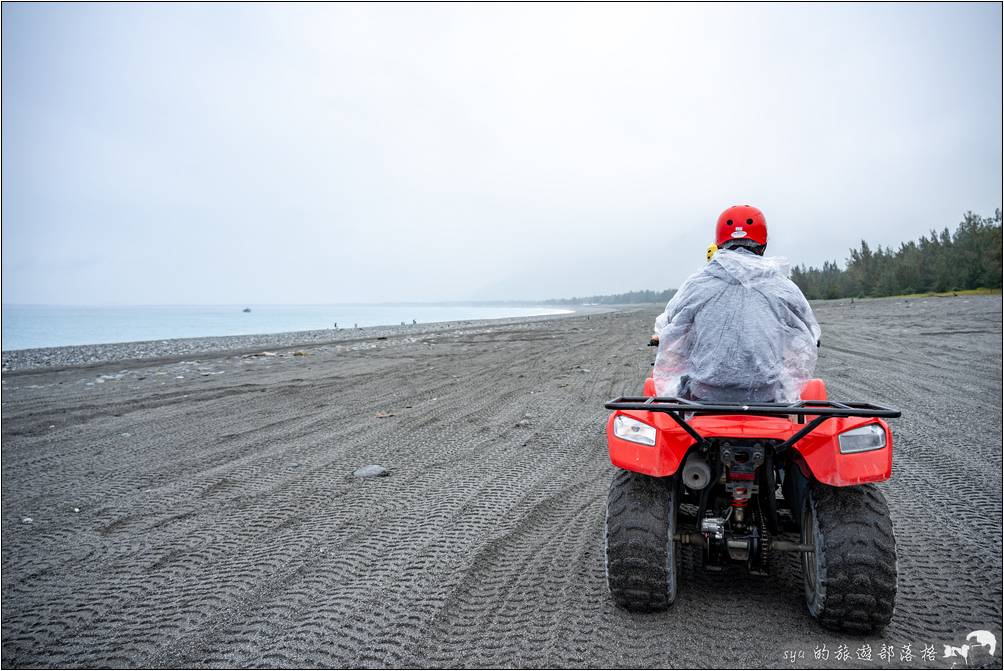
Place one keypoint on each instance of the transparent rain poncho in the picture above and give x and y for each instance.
(737, 330)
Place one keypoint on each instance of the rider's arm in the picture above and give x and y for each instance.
(680, 299)
(662, 320)
(660, 324)
(803, 311)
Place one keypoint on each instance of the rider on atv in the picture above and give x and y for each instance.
(738, 330)
(732, 445)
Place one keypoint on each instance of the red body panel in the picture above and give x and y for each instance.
(819, 450)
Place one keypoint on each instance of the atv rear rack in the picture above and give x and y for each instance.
(820, 410)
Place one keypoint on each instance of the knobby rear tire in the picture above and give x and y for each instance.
(641, 557)
(850, 579)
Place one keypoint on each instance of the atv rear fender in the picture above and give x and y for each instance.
(818, 451)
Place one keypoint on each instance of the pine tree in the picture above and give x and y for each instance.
(970, 258)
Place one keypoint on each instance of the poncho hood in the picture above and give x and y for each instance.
(747, 268)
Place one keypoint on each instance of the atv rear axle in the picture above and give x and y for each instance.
(782, 546)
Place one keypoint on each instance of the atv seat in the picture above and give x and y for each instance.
(814, 389)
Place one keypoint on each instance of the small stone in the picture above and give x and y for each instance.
(27, 520)
(76, 510)
(125, 435)
(176, 377)
(384, 415)
(299, 354)
(371, 471)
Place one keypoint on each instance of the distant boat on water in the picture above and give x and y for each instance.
(247, 309)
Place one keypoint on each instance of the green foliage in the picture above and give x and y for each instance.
(646, 296)
(968, 259)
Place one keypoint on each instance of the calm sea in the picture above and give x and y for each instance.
(27, 326)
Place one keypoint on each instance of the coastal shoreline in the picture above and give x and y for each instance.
(83, 356)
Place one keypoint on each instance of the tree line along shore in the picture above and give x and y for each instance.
(967, 260)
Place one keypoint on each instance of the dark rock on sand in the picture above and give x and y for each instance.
(371, 471)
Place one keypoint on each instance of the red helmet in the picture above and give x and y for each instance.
(741, 222)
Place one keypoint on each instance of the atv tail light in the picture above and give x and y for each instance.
(862, 439)
(633, 430)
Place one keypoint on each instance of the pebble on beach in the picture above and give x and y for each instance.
(371, 471)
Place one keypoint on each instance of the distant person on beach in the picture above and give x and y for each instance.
(738, 330)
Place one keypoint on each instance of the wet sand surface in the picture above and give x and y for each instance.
(204, 513)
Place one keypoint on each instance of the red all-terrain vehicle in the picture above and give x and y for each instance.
(751, 471)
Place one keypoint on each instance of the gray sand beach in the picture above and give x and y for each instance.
(193, 503)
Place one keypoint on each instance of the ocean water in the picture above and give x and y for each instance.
(26, 326)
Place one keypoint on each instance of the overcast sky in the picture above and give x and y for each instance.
(266, 153)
